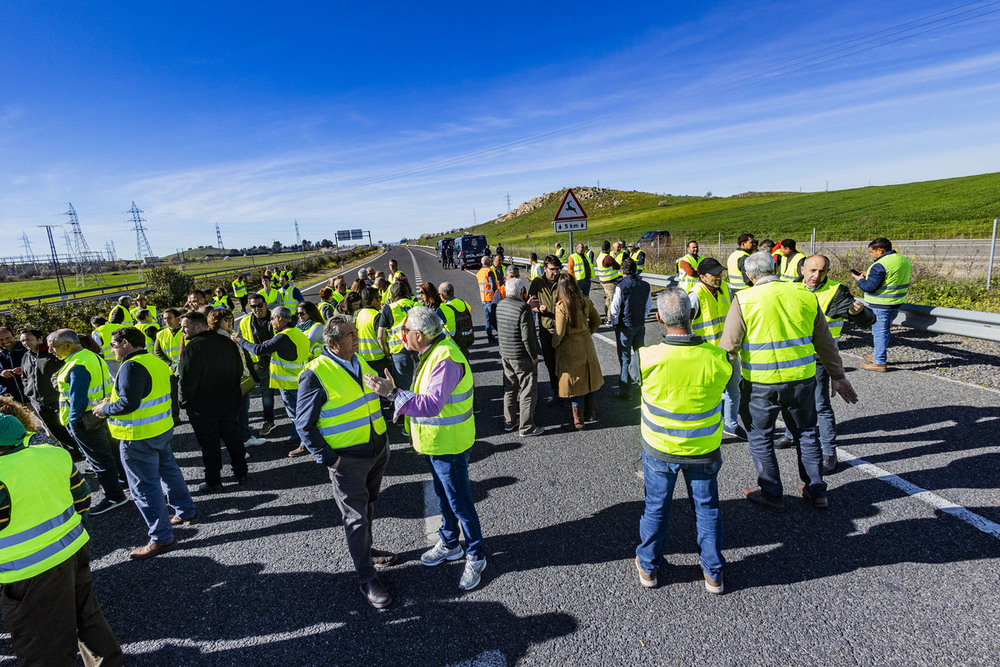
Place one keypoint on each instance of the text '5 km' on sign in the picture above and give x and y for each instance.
(571, 226)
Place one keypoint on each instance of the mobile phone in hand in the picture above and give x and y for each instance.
(855, 272)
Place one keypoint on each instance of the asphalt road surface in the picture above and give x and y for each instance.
(903, 569)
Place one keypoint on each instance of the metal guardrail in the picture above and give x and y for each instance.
(122, 288)
(953, 321)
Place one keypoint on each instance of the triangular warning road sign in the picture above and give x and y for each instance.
(570, 209)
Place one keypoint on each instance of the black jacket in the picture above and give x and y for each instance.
(209, 373)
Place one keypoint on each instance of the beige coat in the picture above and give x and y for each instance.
(577, 366)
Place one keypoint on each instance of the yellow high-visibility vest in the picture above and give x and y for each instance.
(153, 416)
(44, 529)
(682, 388)
(778, 345)
(454, 430)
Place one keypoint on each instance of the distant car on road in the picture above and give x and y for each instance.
(650, 238)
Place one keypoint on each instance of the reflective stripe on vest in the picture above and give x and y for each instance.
(893, 290)
(684, 281)
(450, 308)
(368, 347)
(100, 381)
(271, 297)
(44, 528)
(790, 270)
(170, 342)
(105, 330)
(153, 416)
(246, 332)
(287, 297)
(712, 311)
(127, 321)
(314, 348)
(485, 287)
(285, 373)
(777, 346)
(605, 274)
(736, 281)
(825, 296)
(682, 388)
(453, 430)
(399, 310)
(349, 413)
(580, 266)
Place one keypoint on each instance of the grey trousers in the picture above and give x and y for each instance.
(356, 483)
(520, 392)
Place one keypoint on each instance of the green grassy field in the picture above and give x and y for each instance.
(949, 208)
(28, 288)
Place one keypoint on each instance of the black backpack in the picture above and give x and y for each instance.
(464, 335)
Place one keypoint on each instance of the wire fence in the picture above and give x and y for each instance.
(936, 250)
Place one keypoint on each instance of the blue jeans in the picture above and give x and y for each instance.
(488, 320)
(152, 473)
(880, 333)
(702, 484)
(628, 339)
(766, 401)
(825, 420)
(403, 365)
(731, 398)
(451, 484)
(290, 397)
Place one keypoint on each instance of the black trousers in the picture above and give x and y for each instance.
(549, 356)
(209, 429)
(50, 417)
(52, 614)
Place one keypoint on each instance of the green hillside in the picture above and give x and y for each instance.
(948, 208)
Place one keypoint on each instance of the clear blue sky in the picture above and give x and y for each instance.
(406, 117)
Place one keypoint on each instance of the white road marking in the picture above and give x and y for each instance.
(494, 658)
(217, 645)
(416, 270)
(921, 494)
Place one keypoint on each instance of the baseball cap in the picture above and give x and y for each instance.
(710, 266)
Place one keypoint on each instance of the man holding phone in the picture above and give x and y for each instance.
(885, 286)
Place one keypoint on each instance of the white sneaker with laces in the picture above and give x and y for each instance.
(439, 553)
(472, 573)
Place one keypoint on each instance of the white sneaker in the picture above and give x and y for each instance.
(439, 553)
(471, 574)
(254, 442)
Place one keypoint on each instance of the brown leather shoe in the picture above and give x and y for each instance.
(376, 594)
(869, 357)
(298, 451)
(382, 559)
(757, 497)
(878, 368)
(818, 503)
(152, 549)
(176, 520)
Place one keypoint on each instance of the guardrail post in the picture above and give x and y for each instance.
(812, 247)
(993, 249)
(720, 244)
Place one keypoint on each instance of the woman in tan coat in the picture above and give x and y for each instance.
(576, 359)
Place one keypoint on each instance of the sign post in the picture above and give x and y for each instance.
(570, 217)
